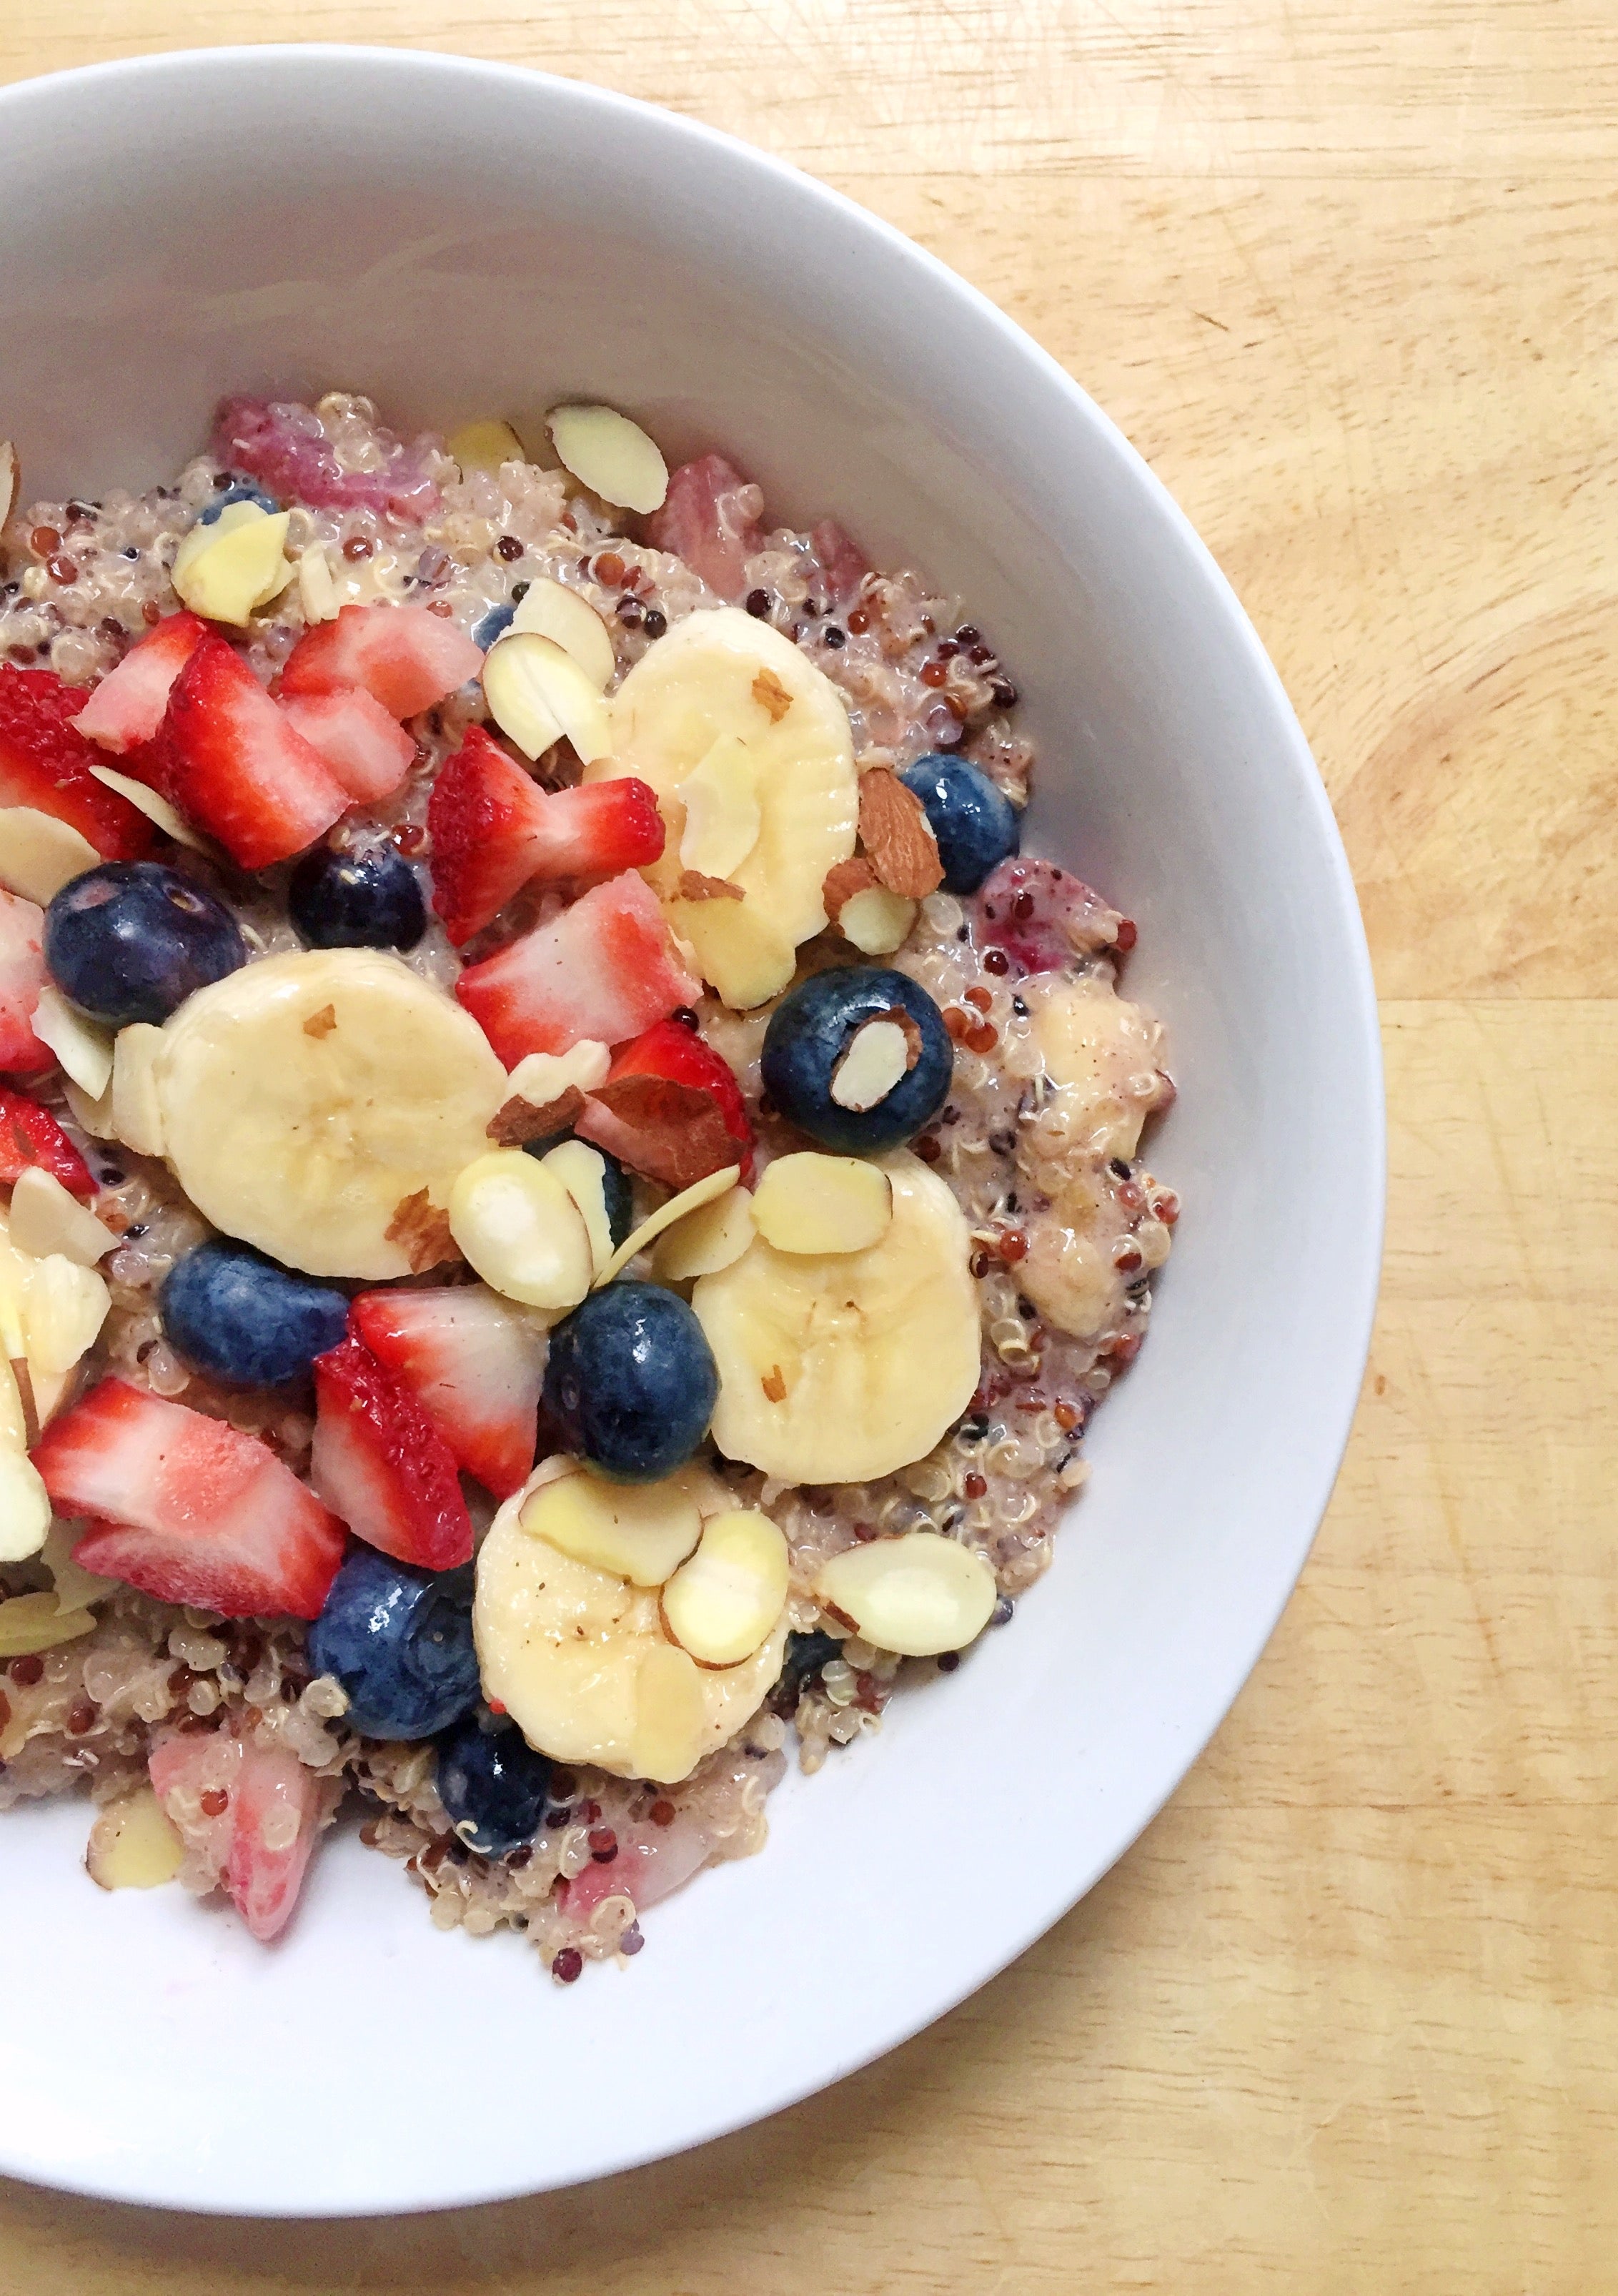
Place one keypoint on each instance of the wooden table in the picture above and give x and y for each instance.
(1344, 2019)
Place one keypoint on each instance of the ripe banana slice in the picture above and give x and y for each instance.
(720, 693)
(837, 1367)
(579, 1658)
(1104, 1055)
(305, 1101)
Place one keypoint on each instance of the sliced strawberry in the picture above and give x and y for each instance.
(494, 829)
(710, 518)
(249, 1813)
(652, 1862)
(21, 978)
(1042, 916)
(474, 1367)
(607, 967)
(677, 1054)
(239, 767)
(286, 446)
(188, 1508)
(405, 657)
(31, 1134)
(368, 750)
(380, 1462)
(842, 562)
(127, 707)
(45, 761)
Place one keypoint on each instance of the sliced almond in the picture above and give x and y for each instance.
(38, 854)
(137, 1115)
(47, 1217)
(880, 1055)
(738, 951)
(898, 835)
(237, 566)
(641, 1533)
(485, 446)
(917, 1594)
(704, 1191)
(63, 1308)
(531, 686)
(703, 1241)
(582, 1170)
(32, 1622)
(316, 587)
(25, 1518)
(84, 1049)
(877, 923)
(156, 808)
(670, 1715)
(610, 455)
(8, 481)
(722, 1605)
(92, 1116)
(814, 1203)
(540, 1077)
(551, 610)
(723, 814)
(76, 1589)
(521, 1230)
(134, 1845)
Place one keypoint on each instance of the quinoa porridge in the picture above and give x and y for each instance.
(572, 1192)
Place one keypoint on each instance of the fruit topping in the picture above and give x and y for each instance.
(31, 1136)
(704, 1239)
(515, 1220)
(133, 1845)
(537, 693)
(285, 445)
(45, 764)
(21, 978)
(249, 1813)
(631, 1382)
(610, 455)
(493, 1786)
(38, 853)
(1041, 917)
(1103, 1055)
(46, 1219)
(365, 898)
(473, 1366)
(897, 836)
(25, 1522)
(131, 941)
(381, 1463)
(399, 1641)
(236, 764)
(808, 1202)
(368, 752)
(229, 499)
(918, 1594)
(486, 446)
(975, 823)
(607, 969)
(229, 567)
(677, 1138)
(187, 1509)
(639, 1531)
(843, 563)
(404, 657)
(127, 708)
(231, 1311)
(822, 1025)
(711, 520)
(553, 612)
(723, 1604)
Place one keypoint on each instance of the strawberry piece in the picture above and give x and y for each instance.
(31, 1134)
(607, 967)
(842, 562)
(188, 1508)
(285, 445)
(710, 518)
(677, 1054)
(380, 1462)
(494, 829)
(1042, 916)
(405, 656)
(237, 766)
(368, 750)
(21, 978)
(45, 761)
(652, 1862)
(127, 707)
(249, 1813)
(474, 1367)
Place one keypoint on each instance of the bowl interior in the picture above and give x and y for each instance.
(458, 240)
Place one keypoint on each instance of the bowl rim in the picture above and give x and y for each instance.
(1361, 1048)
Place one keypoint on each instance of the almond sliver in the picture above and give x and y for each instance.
(239, 564)
(813, 1203)
(918, 1594)
(641, 1533)
(551, 610)
(47, 1217)
(701, 1191)
(39, 854)
(157, 809)
(485, 446)
(8, 479)
(134, 1845)
(723, 815)
(722, 1605)
(32, 1622)
(84, 1050)
(701, 1242)
(610, 455)
(532, 687)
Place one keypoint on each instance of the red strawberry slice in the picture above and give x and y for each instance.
(21, 978)
(494, 829)
(403, 656)
(842, 560)
(368, 750)
(188, 1508)
(606, 968)
(239, 767)
(45, 761)
(474, 1367)
(127, 707)
(380, 1462)
(710, 518)
(675, 1051)
(31, 1134)
(249, 1813)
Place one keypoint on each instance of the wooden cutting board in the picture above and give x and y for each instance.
(1345, 2019)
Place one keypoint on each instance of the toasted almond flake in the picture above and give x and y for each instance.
(8, 481)
(811, 1203)
(672, 1132)
(29, 1623)
(516, 1121)
(898, 835)
(38, 854)
(551, 610)
(642, 1534)
(64, 1307)
(47, 1217)
(237, 566)
(582, 1170)
(723, 813)
(519, 1227)
(84, 1050)
(157, 809)
(424, 1232)
(877, 923)
(695, 887)
(92, 1116)
(772, 695)
(714, 1237)
(321, 1023)
(532, 687)
(722, 1604)
(702, 1192)
(610, 455)
(736, 947)
(876, 1060)
(485, 446)
(917, 1594)
(133, 1844)
(137, 1113)
(774, 1384)
(316, 588)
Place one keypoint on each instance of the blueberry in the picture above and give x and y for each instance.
(356, 901)
(493, 1786)
(400, 1643)
(616, 1190)
(131, 941)
(631, 1382)
(811, 1029)
(235, 494)
(491, 626)
(230, 1310)
(807, 1655)
(976, 823)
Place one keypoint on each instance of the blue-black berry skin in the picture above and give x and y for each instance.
(230, 1310)
(400, 1643)
(236, 493)
(131, 941)
(369, 900)
(493, 1786)
(813, 1028)
(491, 626)
(975, 823)
(631, 1382)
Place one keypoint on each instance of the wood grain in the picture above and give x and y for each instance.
(1345, 2019)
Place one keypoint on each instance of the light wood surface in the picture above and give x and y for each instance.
(1346, 2019)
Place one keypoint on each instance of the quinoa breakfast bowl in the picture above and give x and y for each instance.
(629, 913)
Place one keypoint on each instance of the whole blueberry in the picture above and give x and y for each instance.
(615, 1192)
(131, 941)
(400, 1643)
(631, 1382)
(491, 626)
(493, 1784)
(812, 1029)
(228, 1309)
(369, 900)
(235, 494)
(975, 823)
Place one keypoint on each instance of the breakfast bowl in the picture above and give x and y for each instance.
(460, 242)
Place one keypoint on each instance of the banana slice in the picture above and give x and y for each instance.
(321, 1105)
(730, 703)
(836, 1368)
(579, 1658)
(1104, 1055)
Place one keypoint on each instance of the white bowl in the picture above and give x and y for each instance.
(458, 239)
